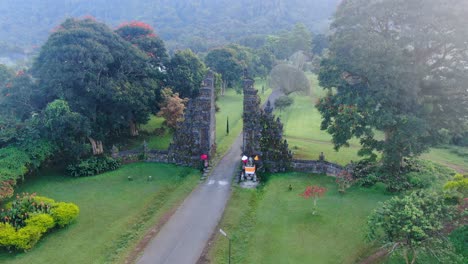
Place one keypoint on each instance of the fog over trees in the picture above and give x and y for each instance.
(196, 24)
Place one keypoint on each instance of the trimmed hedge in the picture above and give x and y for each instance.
(93, 166)
(38, 215)
(64, 213)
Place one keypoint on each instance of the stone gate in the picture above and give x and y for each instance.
(196, 135)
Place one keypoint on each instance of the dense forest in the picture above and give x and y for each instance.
(199, 25)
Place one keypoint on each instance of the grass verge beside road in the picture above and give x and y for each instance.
(114, 212)
(275, 225)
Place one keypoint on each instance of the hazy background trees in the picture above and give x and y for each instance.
(198, 25)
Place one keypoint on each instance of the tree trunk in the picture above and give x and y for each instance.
(223, 88)
(394, 157)
(133, 129)
(405, 255)
(97, 146)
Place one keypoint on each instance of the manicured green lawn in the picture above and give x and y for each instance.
(451, 156)
(114, 212)
(147, 133)
(231, 105)
(302, 129)
(275, 225)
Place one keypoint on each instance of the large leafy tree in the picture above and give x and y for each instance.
(144, 37)
(223, 61)
(100, 75)
(391, 68)
(288, 79)
(185, 73)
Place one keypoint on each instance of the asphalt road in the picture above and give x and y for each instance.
(183, 238)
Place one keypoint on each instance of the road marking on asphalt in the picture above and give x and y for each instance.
(211, 182)
(222, 183)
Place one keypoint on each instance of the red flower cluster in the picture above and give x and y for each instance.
(138, 24)
(314, 191)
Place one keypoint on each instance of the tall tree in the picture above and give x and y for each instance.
(392, 69)
(144, 37)
(185, 73)
(223, 60)
(289, 79)
(101, 76)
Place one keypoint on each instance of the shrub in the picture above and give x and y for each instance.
(43, 221)
(28, 217)
(64, 213)
(27, 237)
(93, 166)
(7, 234)
(459, 239)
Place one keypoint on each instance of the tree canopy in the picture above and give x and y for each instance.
(104, 78)
(185, 73)
(289, 79)
(392, 69)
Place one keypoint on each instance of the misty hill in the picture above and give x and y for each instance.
(181, 23)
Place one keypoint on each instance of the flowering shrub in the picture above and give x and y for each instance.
(28, 217)
(314, 192)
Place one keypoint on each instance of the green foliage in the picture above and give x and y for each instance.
(412, 223)
(185, 73)
(288, 79)
(21, 208)
(26, 237)
(224, 61)
(116, 82)
(373, 82)
(283, 102)
(7, 234)
(459, 239)
(92, 166)
(65, 128)
(13, 163)
(415, 174)
(64, 213)
(42, 221)
(276, 155)
(459, 183)
(29, 216)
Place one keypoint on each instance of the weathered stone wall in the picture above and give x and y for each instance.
(196, 135)
(317, 166)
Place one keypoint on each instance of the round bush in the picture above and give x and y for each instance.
(64, 213)
(43, 221)
(27, 237)
(7, 235)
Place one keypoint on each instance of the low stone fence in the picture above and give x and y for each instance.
(317, 166)
(158, 156)
(135, 155)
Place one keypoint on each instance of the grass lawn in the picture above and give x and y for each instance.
(274, 225)
(231, 105)
(160, 142)
(114, 212)
(302, 129)
(451, 156)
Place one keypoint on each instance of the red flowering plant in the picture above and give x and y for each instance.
(134, 30)
(21, 209)
(314, 192)
(344, 180)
